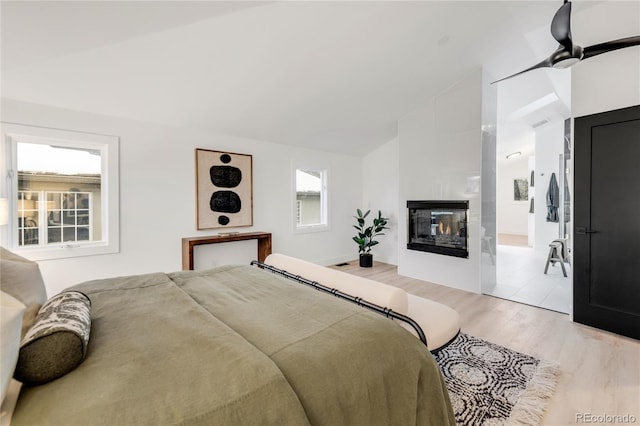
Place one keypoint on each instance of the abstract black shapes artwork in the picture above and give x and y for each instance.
(225, 176)
(225, 202)
(224, 189)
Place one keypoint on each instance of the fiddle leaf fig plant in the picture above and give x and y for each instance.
(367, 234)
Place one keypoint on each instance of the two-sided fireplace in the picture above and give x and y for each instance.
(438, 227)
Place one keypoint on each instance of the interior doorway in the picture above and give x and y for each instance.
(533, 177)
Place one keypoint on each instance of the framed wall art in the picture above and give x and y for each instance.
(520, 189)
(224, 190)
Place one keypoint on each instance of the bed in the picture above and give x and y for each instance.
(237, 345)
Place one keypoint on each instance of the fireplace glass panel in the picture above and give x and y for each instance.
(438, 227)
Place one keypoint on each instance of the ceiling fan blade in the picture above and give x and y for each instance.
(543, 64)
(561, 26)
(598, 49)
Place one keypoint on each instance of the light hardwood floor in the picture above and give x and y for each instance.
(513, 240)
(600, 370)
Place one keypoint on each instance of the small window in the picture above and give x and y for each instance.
(62, 191)
(310, 199)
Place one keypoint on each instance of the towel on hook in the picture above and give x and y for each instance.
(553, 199)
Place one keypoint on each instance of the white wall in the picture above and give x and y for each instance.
(549, 146)
(513, 216)
(157, 194)
(380, 183)
(440, 151)
(611, 80)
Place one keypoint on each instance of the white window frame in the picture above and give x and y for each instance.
(324, 199)
(110, 186)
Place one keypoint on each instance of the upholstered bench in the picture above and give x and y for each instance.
(440, 323)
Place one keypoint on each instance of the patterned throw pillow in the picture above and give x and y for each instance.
(57, 342)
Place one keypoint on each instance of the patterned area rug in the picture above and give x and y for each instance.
(492, 385)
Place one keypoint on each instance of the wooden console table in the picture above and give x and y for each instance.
(264, 245)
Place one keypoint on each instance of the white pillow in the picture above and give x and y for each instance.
(11, 325)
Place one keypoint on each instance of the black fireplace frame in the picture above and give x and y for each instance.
(439, 204)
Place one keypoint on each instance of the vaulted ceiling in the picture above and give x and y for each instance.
(330, 75)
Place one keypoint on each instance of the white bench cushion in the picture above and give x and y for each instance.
(372, 291)
(439, 322)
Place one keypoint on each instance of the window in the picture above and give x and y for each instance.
(310, 199)
(62, 192)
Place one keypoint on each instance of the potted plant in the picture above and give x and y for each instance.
(367, 234)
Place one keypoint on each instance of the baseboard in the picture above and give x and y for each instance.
(335, 260)
(353, 258)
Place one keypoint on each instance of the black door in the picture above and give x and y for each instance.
(606, 277)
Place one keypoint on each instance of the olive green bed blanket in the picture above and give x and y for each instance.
(237, 345)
